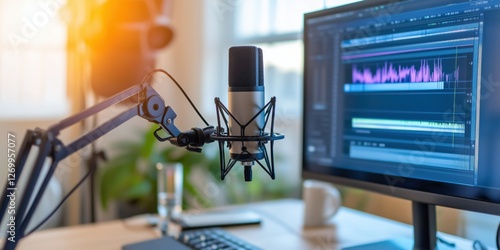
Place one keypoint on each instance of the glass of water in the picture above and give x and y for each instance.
(169, 178)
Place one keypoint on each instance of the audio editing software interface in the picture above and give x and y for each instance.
(406, 89)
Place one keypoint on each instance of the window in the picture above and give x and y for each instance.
(32, 60)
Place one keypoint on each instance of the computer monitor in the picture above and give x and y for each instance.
(403, 98)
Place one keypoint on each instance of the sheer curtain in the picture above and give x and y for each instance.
(32, 60)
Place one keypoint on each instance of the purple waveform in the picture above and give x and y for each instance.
(394, 74)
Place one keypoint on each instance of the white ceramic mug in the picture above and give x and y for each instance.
(321, 202)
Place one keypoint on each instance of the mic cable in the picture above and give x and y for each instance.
(150, 73)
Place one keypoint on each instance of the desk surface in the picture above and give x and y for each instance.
(281, 228)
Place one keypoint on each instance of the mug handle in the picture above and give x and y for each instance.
(332, 202)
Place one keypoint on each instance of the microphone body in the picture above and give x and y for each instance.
(242, 123)
(245, 100)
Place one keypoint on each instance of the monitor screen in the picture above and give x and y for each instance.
(403, 98)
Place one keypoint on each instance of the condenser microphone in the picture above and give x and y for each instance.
(245, 101)
(241, 125)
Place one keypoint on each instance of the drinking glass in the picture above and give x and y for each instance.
(169, 178)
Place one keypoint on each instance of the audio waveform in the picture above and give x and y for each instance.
(409, 125)
(391, 73)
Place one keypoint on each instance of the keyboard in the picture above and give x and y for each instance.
(199, 239)
(213, 238)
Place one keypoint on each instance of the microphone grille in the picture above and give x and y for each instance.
(245, 67)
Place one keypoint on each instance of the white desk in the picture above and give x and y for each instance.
(281, 228)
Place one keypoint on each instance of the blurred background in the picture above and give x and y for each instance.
(58, 57)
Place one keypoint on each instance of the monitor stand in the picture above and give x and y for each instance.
(424, 232)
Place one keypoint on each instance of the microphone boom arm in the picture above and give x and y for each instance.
(150, 107)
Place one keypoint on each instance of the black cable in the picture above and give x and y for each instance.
(60, 203)
(178, 86)
(445, 242)
(477, 245)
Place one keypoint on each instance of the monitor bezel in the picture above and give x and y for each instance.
(378, 182)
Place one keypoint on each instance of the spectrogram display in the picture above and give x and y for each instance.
(423, 71)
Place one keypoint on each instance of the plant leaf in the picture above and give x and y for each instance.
(138, 187)
(114, 179)
(149, 143)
